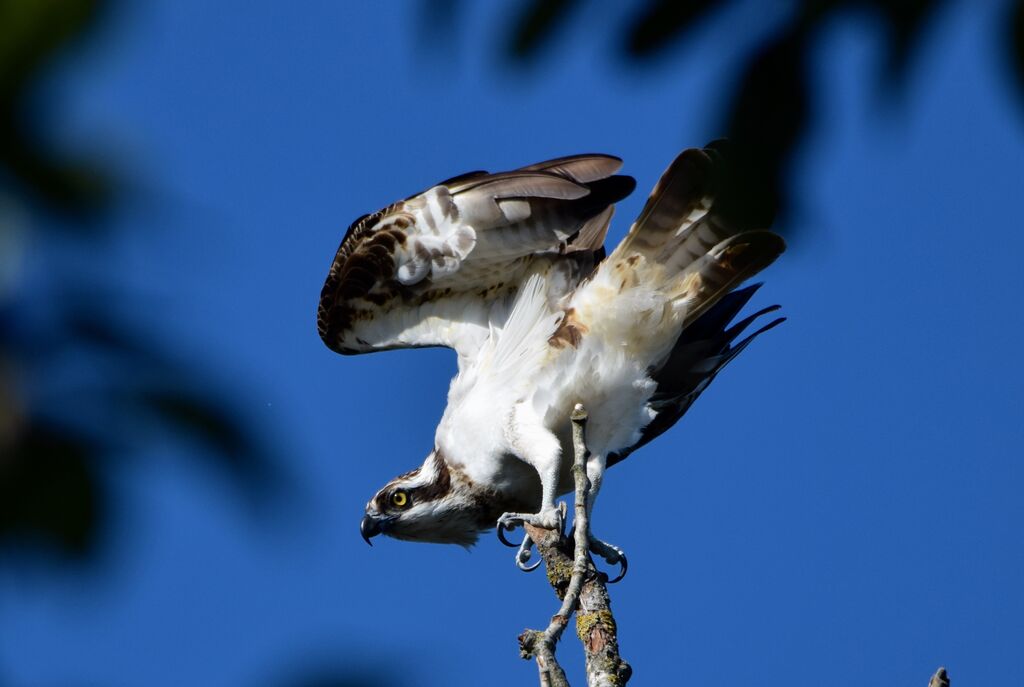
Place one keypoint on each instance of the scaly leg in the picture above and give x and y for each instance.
(540, 448)
(550, 516)
(609, 552)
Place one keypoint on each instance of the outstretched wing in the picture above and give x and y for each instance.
(433, 269)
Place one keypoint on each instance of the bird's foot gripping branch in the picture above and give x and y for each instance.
(580, 586)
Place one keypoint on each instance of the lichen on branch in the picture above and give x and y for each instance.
(581, 587)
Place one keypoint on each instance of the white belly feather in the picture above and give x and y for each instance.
(517, 396)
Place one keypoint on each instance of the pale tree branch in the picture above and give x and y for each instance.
(580, 586)
(583, 590)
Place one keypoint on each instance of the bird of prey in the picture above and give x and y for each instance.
(509, 270)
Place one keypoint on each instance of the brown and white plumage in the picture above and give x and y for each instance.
(508, 270)
(429, 270)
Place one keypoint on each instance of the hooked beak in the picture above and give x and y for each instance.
(372, 525)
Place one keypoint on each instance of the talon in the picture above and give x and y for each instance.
(526, 568)
(612, 555)
(524, 554)
(623, 566)
(502, 528)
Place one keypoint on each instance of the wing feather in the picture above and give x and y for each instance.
(581, 168)
(440, 267)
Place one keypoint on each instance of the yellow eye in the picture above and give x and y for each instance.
(400, 499)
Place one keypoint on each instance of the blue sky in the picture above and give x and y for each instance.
(842, 505)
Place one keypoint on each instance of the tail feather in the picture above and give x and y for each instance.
(718, 318)
(685, 248)
(702, 351)
(736, 349)
(738, 328)
(700, 254)
(724, 267)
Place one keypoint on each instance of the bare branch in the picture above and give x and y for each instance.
(939, 679)
(579, 585)
(583, 590)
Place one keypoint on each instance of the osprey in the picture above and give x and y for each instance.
(509, 270)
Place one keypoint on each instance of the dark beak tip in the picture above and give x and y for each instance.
(368, 528)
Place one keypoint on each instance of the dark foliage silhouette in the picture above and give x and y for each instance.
(769, 106)
(80, 386)
(83, 388)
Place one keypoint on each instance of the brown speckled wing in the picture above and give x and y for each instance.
(429, 270)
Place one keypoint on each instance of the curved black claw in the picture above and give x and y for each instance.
(527, 568)
(524, 554)
(501, 535)
(623, 567)
(612, 555)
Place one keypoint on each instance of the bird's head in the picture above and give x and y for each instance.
(432, 503)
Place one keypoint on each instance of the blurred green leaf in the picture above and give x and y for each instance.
(50, 496)
(765, 120)
(351, 675)
(660, 23)
(536, 25)
(906, 22)
(1015, 45)
(33, 33)
(106, 388)
(194, 414)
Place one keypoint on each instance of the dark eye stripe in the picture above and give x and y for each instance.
(437, 489)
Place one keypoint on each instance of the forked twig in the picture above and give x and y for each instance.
(580, 586)
(583, 590)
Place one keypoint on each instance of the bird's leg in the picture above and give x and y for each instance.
(612, 554)
(545, 455)
(550, 516)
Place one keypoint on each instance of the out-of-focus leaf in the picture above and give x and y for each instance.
(227, 442)
(102, 388)
(76, 189)
(87, 326)
(359, 676)
(537, 24)
(769, 111)
(906, 22)
(1015, 44)
(32, 33)
(49, 493)
(767, 117)
(339, 681)
(438, 24)
(663, 22)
